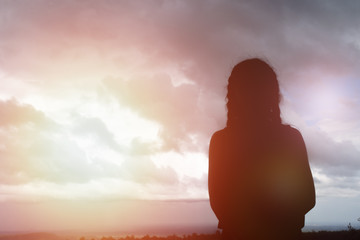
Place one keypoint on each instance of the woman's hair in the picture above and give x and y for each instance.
(253, 90)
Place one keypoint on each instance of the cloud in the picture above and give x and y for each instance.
(94, 127)
(14, 114)
(20, 126)
(34, 147)
(333, 156)
(146, 172)
(203, 40)
(176, 108)
(42, 159)
(168, 63)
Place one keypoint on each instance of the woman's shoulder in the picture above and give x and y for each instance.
(221, 134)
(290, 131)
(292, 136)
(218, 135)
(221, 137)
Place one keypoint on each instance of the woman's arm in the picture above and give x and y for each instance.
(213, 184)
(307, 189)
(298, 181)
(216, 178)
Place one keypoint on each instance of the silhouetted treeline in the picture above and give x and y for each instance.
(193, 236)
(351, 234)
(338, 235)
(322, 235)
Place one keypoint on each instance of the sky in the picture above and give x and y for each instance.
(107, 107)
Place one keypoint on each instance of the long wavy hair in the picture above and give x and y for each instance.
(253, 92)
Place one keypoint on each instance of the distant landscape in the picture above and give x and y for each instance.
(180, 232)
(350, 234)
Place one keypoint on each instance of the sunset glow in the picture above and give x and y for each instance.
(107, 107)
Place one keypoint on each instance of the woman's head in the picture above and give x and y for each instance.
(253, 94)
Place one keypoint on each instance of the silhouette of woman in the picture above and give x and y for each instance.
(260, 183)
